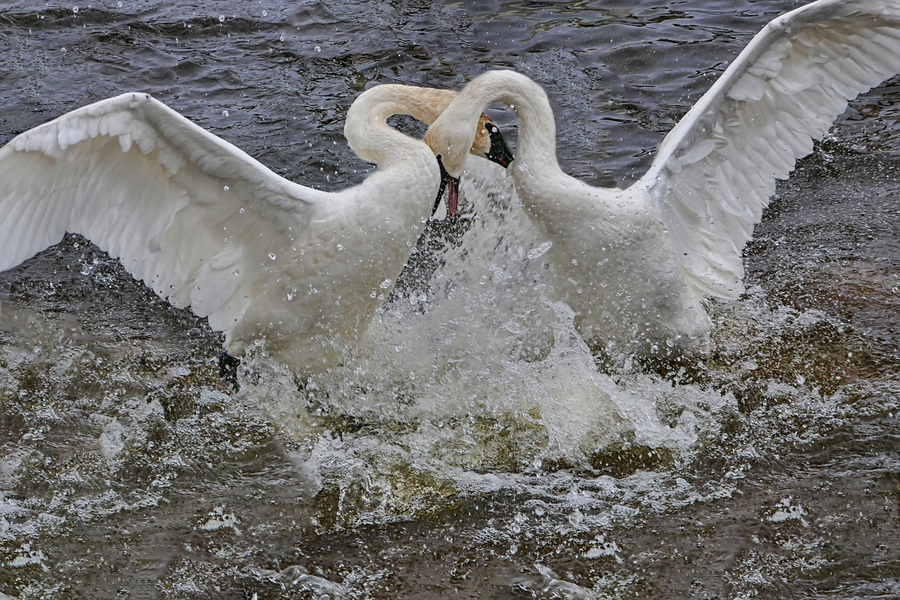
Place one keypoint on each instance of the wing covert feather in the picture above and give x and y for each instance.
(716, 170)
(178, 206)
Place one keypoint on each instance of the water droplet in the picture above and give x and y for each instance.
(265, 13)
(63, 50)
(281, 37)
(272, 255)
(318, 48)
(242, 210)
(224, 113)
(539, 251)
(221, 18)
(120, 5)
(576, 518)
(226, 188)
(386, 284)
(340, 247)
(373, 294)
(75, 9)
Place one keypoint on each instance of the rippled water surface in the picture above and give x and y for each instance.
(473, 449)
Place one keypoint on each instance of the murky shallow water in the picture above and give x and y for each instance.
(473, 450)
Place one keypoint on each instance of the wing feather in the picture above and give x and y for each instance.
(174, 203)
(716, 170)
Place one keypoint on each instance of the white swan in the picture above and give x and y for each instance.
(206, 226)
(635, 263)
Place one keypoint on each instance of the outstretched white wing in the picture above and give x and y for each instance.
(716, 170)
(182, 209)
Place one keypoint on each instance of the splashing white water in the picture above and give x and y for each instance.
(488, 375)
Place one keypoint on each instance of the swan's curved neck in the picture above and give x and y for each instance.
(370, 136)
(536, 142)
(536, 145)
(424, 104)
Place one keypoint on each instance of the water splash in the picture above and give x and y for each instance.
(488, 375)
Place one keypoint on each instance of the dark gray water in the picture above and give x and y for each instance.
(480, 453)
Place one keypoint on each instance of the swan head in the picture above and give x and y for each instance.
(453, 132)
(488, 143)
(371, 109)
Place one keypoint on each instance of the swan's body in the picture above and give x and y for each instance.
(635, 263)
(206, 226)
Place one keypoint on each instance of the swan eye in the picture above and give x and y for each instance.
(491, 128)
